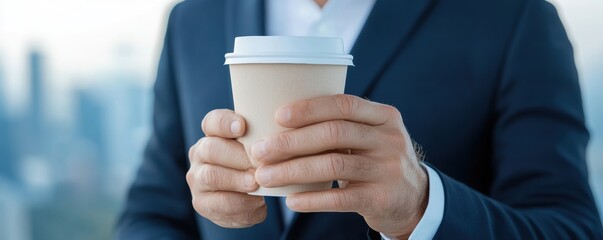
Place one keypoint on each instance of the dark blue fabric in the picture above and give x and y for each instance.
(488, 88)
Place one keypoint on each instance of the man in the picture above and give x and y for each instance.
(488, 88)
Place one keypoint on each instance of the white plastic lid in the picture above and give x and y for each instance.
(286, 49)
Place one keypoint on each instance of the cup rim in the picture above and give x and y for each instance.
(291, 58)
(288, 49)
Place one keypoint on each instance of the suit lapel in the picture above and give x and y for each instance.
(387, 28)
(244, 18)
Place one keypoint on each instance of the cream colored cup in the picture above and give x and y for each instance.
(268, 72)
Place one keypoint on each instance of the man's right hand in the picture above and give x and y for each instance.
(221, 174)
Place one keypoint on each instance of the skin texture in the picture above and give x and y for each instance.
(362, 144)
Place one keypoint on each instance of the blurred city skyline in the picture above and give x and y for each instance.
(47, 163)
(75, 101)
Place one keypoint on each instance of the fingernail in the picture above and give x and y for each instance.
(235, 126)
(284, 114)
(249, 180)
(264, 175)
(259, 149)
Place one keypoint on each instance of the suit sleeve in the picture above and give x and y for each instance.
(158, 205)
(539, 187)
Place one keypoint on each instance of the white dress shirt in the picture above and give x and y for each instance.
(344, 19)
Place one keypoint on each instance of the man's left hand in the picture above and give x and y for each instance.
(362, 144)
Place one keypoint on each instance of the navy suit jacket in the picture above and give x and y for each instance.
(488, 88)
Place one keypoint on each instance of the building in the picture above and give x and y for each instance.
(36, 91)
(7, 154)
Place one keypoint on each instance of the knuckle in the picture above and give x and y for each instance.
(191, 153)
(207, 175)
(335, 131)
(337, 164)
(284, 142)
(204, 150)
(392, 112)
(190, 177)
(346, 104)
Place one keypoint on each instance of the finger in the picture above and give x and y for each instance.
(230, 209)
(226, 203)
(209, 177)
(314, 139)
(337, 107)
(223, 123)
(220, 151)
(318, 168)
(243, 219)
(333, 200)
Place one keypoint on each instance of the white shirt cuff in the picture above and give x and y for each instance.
(432, 218)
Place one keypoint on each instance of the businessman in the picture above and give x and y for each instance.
(487, 88)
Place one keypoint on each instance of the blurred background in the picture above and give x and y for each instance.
(75, 105)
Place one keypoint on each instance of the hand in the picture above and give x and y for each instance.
(384, 181)
(221, 175)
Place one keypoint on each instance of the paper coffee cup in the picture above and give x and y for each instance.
(268, 72)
